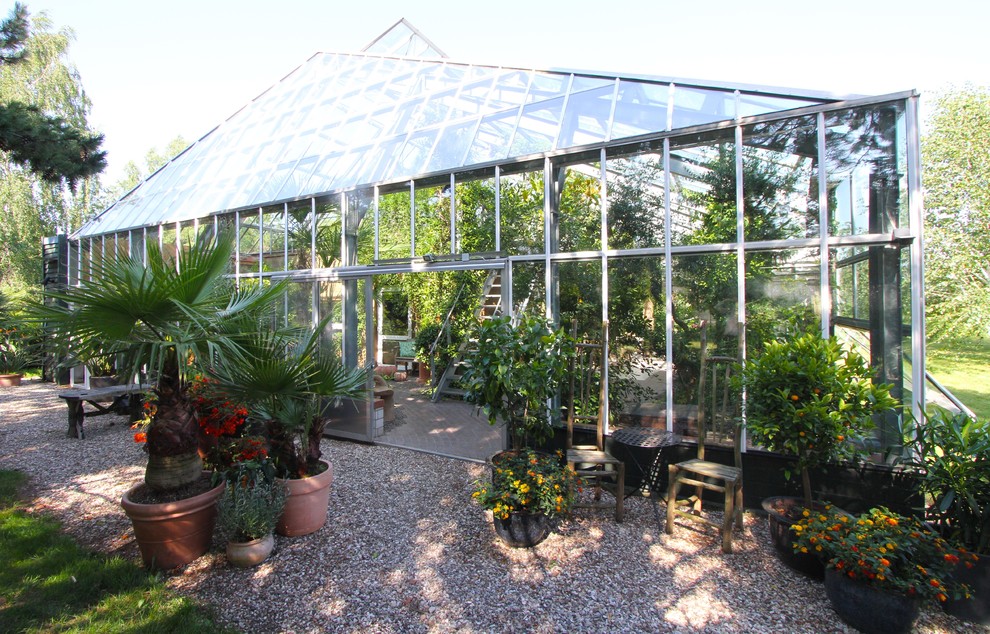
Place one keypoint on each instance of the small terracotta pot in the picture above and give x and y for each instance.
(307, 505)
(10, 380)
(173, 534)
(250, 554)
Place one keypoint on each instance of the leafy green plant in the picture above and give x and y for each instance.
(884, 550)
(952, 451)
(528, 482)
(514, 371)
(18, 351)
(252, 502)
(810, 398)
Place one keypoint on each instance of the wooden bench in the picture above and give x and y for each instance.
(114, 394)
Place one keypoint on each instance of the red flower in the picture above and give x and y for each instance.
(140, 437)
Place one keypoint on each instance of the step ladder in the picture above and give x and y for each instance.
(489, 306)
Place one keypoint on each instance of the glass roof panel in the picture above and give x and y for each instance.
(695, 106)
(306, 135)
(640, 108)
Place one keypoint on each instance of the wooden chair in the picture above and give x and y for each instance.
(591, 462)
(716, 418)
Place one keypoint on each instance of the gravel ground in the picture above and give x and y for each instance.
(405, 550)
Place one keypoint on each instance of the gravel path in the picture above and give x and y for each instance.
(405, 550)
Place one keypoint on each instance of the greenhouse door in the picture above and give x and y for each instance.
(350, 304)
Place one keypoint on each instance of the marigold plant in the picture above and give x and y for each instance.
(528, 482)
(886, 550)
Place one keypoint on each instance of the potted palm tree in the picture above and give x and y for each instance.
(813, 400)
(164, 319)
(288, 380)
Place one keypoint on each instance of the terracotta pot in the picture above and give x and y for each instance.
(175, 533)
(171, 472)
(868, 609)
(782, 513)
(307, 505)
(975, 609)
(522, 530)
(10, 380)
(250, 554)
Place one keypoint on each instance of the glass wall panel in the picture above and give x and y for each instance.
(580, 313)
(783, 296)
(299, 304)
(137, 244)
(250, 242)
(395, 313)
(703, 182)
(226, 224)
(635, 201)
(580, 217)
(300, 235)
(705, 313)
(637, 342)
(361, 226)
(850, 283)
(331, 297)
(122, 246)
(433, 218)
(273, 238)
(537, 127)
(475, 215)
(529, 289)
(780, 179)
(74, 264)
(187, 235)
(394, 224)
(86, 266)
(867, 170)
(521, 206)
(328, 232)
(167, 239)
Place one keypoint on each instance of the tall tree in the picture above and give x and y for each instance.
(46, 141)
(33, 205)
(956, 159)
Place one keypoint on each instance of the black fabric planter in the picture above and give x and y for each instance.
(782, 513)
(522, 530)
(976, 609)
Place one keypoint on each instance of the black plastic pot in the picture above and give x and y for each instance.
(868, 609)
(975, 609)
(782, 513)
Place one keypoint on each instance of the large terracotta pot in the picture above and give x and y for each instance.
(522, 530)
(175, 533)
(975, 609)
(868, 609)
(782, 513)
(250, 554)
(10, 380)
(307, 505)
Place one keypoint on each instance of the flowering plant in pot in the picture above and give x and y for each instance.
(951, 452)
(884, 554)
(526, 483)
(251, 505)
(513, 373)
(17, 350)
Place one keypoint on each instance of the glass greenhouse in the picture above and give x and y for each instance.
(394, 185)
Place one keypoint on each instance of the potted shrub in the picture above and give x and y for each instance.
(287, 380)
(17, 353)
(880, 566)
(813, 400)
(425, 339)
(514, 372)
(164, 319)
(952, 452)
(250, 505)
(526, 490)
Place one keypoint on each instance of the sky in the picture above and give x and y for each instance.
(157, 70)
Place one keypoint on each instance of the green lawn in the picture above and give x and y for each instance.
(963, 366)
(49, 584)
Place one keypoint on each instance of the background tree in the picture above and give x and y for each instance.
(46, 140)
(35, 205)
(956, 159)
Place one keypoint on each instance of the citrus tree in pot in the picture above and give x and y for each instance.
(163, 318)
(952, 452)
(286, 378)
(811, 399)
(513, 373)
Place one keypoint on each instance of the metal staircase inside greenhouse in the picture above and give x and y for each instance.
(489, 306)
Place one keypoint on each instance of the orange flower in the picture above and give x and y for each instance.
(795, 397)
(140, 437)
(952, 559)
